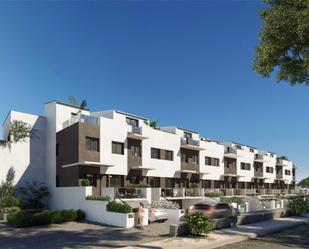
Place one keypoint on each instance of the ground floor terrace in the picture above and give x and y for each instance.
(186, 184)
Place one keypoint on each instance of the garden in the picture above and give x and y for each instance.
(26, 206)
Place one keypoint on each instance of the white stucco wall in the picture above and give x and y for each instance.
(26, 157)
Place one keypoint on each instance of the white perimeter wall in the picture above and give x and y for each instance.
(27, 157)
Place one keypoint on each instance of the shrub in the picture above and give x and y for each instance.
(118, 207)
(98, 198)
(23, 219)
(11, 209)
(10, 201)
(140, 185)
(230, 200)
(19, 219)
(85, 182)
(213, 194)
(33, 194)
(80, 215)
(298, 206)
(41, 218)
(199, 224)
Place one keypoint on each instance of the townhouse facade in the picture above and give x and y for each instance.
(114, 149)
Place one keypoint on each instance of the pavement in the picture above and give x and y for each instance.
(220, 238)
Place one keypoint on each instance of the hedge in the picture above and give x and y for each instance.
(98, 198)
(213, 194)
(118, 207)
(230, 200)
(23, 219)
(85, 182)
(298, 206)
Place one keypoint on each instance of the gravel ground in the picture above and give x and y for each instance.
(293, 238)
(78, 235)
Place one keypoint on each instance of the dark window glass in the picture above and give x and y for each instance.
(169, 155)
(287, 172)
(211, 161)
(136, 150)
(251, 150)
(195, 159)
(187, 135)
(92, 144)
(117, 148)
(92, 178)
(269, 169)
(245, 166)
(132, 121)
(155, 153)
(184, 157)
(169, 182)
(238, 147)
(57, 149)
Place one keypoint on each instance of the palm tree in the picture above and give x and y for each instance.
(153, 124)
(82, 106)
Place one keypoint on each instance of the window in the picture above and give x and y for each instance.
(287, 172)
(195, 159)
(252, 150)
(211, 161)
(169, 182)
(269, 169)
(92, 144)
(155, 153)
(169, 155)
(132, 121)
(271, 155)
(187, 135)
(238, 147)
(245, 166)
(136, 150)
(117, 148)
(184, 157)
(57, 149)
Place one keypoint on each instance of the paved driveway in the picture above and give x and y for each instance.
(78, 235)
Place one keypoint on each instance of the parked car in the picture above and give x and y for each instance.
(216, 211)
(157, 214)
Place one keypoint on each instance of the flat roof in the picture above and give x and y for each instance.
(131, 115)
(62, 103)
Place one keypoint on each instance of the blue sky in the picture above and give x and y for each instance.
(184, 63)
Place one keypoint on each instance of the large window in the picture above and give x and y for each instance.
(132, 121)
(269, 169)
(117, 148)
(195, 159)
(169, 155)
(287, 172)
(211, 161)
(245, 166)
(155, 153)
(187, 135)
(92, 144)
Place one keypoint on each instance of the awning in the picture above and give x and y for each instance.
(87, 163)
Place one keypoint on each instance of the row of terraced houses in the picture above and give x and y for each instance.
(117, 150)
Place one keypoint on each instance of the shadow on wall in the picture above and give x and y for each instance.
(35, 171)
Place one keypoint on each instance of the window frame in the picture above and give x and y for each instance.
(91, 143)
(152, 150)
(115, 149)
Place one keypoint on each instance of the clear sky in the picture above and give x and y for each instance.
(185, 63)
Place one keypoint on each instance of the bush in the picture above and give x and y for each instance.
(230, 200)
(213, 194)
(42, 218)
(11, 209)
(33, 194)
(10, 201)
(139, 185)
(98, 198)
(85, 182)
(80, 215)
(118, 207)
(199, 224)
(23, 219)
(298, 206)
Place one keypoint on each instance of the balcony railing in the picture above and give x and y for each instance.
(279, 176)
(230, 150)
(81, 118)
(189, 141)
(171, 192)
(130, 193)
(258, 173)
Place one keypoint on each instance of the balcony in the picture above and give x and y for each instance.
(279, 176)
(130, 193)
(189, 166)
(230, 170)
(191, 144)
(282, 162)
(259, 158)
(230, 152)
(135, 132)
(258, 173)
(81, 118)
(171, 192)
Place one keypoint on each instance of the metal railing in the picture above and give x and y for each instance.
(81, 118)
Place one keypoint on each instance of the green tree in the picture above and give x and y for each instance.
(304, 183)
(284, 41)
